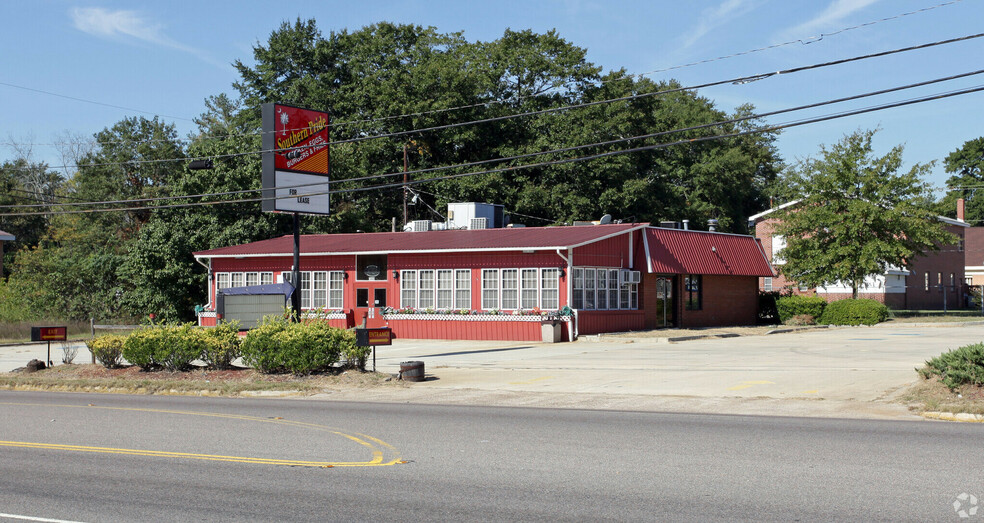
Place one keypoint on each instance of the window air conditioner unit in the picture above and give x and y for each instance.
(421, 225)
(478, 223)
(627, 277)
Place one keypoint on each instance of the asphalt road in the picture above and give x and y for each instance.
(84, 457)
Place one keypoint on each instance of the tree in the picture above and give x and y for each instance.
(858, 216)
(966, 164)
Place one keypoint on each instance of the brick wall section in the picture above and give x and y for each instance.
(948, 260)
(974, 237)
(727, 300)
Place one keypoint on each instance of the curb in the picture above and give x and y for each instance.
(950, 416)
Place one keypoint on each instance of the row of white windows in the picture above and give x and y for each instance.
(598, 289)
(319, 289)
(505, 289)
(224, 280)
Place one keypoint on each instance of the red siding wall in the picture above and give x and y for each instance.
(469, 330)
(613, 252)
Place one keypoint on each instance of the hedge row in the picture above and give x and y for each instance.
(840, 312)
(276, 346)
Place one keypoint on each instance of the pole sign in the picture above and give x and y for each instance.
(49, 333)
(295, 159)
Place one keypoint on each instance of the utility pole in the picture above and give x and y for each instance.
(404, 185)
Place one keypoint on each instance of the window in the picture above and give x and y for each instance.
(441, 289)
(603, 289)
(951, 280)
(692, 292)
(926, 278)
(613, 288)
(408, 289)
(336, 281)
(320, 290)
(252, 278)
(306, 290)
(462, 289)
(370, 267)
(960, 245)
(550, 288)
(426, 289)
(510, 289)
(222, 280)
(767, 284)
(237, 279)
(266, 278)
(803, 287)
(445, 288)
(599, 289)
(939, 281)
(530, 289)
(490, 289)
(589, 288)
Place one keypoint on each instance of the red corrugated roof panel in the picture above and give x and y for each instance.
(430, 241)
(674, 251)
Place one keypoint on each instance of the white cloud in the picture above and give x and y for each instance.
(835, 13)
(113, 24)
(714, 17)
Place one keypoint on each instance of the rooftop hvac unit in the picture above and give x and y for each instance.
(421, 225)
(478, 223)
(626, 277)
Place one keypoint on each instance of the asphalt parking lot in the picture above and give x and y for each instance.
(848, 371)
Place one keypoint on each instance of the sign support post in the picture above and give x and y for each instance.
(295, 298)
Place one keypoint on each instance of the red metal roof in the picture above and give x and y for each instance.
(519, 238)
(673, 251)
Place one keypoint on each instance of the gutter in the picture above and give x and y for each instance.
(571, 327)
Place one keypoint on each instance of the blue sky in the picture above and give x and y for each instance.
(167, 57)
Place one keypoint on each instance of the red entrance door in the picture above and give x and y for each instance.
(369, 302)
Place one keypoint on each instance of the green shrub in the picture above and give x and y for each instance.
(796, 305)
(854, 312)
(802, 319)
(221, 345)
(107, 349)
(355, 356)
(173, 347)
(957, 367)
(140, 348)
(277, 345)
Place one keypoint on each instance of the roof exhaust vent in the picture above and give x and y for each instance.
(712, 225)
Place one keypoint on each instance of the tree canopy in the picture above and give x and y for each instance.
(857, 215)
(966, 165)
(390, 86)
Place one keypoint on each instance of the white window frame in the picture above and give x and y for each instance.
(587, 286)
(549, 289)
(453, 292)
(529, 295)
(490, 295)
(509, 289)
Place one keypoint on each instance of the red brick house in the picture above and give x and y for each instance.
(932, 281)
(501, 283)
(974, 256)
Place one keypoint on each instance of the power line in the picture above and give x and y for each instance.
(737, 81)
(77, 99)
(562, 161)
(540, 153)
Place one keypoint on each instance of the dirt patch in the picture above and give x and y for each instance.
(933, 395)
(231, 382)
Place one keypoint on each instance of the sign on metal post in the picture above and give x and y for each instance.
(295, 161)
(49, 334)
(373, 337)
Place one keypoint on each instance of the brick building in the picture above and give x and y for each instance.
(932, 281)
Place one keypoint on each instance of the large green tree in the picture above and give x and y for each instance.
(966, 165)
(858, 215)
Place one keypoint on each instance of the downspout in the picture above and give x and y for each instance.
(571, 326)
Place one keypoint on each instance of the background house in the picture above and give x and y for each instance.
(933, 280)
(491, 283)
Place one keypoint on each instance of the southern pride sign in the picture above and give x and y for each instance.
(296, 163)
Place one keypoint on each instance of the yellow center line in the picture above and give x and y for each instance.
(376, 461)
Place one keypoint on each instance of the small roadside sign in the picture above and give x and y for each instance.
(49, 333)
